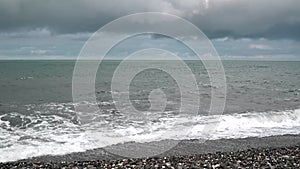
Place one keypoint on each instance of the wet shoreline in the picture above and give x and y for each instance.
(273, 151)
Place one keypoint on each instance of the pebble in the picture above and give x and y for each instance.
(285, 157)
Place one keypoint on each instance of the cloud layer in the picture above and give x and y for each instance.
(239, 29)
(272, 19)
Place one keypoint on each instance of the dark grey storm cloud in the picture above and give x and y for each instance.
(272, 19)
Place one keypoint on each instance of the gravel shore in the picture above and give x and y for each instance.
(285, 157)
(268, 152)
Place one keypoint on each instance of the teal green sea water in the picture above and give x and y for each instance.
(37, 111)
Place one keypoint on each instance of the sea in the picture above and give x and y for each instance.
(38, 116)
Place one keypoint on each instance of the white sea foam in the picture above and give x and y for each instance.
(54, 134)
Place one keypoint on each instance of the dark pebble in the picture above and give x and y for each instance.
(286, 157)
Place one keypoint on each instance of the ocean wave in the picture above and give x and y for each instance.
(52, 129)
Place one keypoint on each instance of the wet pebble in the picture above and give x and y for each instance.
(286, 157)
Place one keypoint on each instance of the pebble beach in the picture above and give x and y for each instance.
(285, 157)
(268, 152)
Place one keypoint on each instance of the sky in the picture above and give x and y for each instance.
(238, 29)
